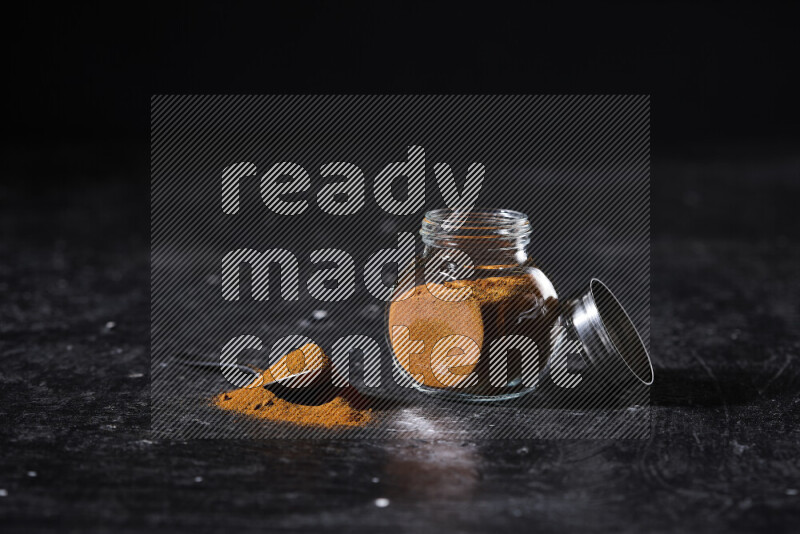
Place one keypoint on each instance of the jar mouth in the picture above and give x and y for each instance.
(475, 223)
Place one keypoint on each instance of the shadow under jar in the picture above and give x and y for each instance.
(473, 294)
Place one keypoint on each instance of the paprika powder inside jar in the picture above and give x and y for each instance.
(471, 318)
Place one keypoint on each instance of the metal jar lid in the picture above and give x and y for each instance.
(612, 349)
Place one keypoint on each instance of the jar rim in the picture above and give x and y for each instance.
(476, 222)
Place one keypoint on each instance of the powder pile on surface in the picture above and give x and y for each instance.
(253, 400)
(309, 357)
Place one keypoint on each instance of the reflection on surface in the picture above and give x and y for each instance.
(430, 469)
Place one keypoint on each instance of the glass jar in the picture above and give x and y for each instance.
(471, 318)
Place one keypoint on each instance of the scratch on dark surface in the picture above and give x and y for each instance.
(776, 375)
(687, 477)
(717, 386)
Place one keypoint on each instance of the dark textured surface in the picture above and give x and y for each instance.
(74, 395)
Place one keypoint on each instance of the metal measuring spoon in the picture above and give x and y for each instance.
(310, 388)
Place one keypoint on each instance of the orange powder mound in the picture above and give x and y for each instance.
(253, 400)
(306, 358)
(429, 319)
(496, 288)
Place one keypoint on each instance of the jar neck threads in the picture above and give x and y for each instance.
(488, 236)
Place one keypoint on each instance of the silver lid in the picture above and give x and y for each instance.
(610, 341)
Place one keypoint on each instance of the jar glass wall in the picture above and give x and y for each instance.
(471, 318)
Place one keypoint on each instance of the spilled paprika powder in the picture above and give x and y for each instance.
(253, 400)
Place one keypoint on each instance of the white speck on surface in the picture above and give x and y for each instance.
(198, 479)
(3, 493)
(523, 450)
(388, 226)
(382, 502)
(32, 474)
(375, 480)
(110, 325)
(738, 448)
(136, 375)
(373, 310)
(319, 314)
(791, 491)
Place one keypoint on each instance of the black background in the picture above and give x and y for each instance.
(715, 72)
(721, 77)
(74, 255)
